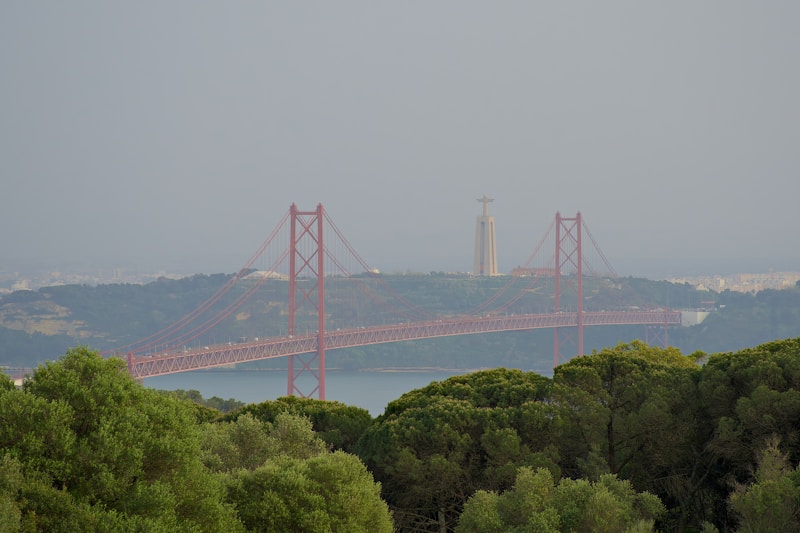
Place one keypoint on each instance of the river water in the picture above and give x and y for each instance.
(369, 390)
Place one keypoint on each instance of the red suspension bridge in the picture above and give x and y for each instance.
(317, 254)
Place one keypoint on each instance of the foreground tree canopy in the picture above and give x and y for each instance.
(85, 448)
(536, 503)
(437, 445)
(631, 438)
(337, 424)
(100, 452)
(684, 432)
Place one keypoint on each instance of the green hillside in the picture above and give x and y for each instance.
(41, 325)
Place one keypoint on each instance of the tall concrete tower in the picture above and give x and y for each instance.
(485, 263)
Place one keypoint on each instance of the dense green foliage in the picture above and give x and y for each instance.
(630, 438)
(665, 424)
(98, 452)
(215, 402)
(437, 445)
(628, 411)
(536, 503)
(772, 501)
(327, 492)
(280, 477)
(85, 448)
(339, 425)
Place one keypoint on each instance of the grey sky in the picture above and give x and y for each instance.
(175, 135)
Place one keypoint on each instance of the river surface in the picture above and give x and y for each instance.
(369, 390)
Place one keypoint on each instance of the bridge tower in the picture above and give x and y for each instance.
(307, 281)
(568, 254)
(485, 263)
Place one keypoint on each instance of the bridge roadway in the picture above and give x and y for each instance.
(227, 354)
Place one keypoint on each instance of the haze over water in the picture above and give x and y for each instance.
(369, 390)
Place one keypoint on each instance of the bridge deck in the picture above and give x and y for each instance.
(227, 354)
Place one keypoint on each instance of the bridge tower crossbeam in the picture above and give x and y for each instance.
(568, 253)
(307, 280)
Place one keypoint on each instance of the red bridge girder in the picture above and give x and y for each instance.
(228, 354)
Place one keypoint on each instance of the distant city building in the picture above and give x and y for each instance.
(750, 283)
(265, 274)
(521, 272)
(485, 263)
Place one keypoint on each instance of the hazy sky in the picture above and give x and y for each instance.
(174, 135)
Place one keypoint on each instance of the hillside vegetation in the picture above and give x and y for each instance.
(40, 325)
